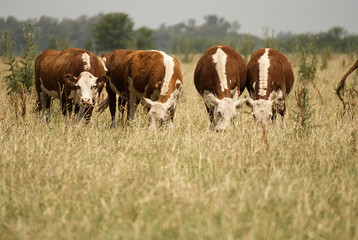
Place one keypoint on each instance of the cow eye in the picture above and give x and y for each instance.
(77, 86)
(94, 87)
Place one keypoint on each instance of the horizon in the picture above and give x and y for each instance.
(286, 16)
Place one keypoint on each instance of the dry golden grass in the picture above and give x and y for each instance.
(66, 181)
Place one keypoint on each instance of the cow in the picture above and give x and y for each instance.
(74, 76)
(220, 78)
(269, 80)
(151, 76)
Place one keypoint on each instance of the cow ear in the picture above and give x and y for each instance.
(249, 102)
(170, 104)
(210, 100)
(102, 80)
(70, 81)
(276, 95)
(147, 102)
(239, 103)
(104, 57)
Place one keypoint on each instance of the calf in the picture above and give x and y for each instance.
(220, 77)
(75, 76)
(269, 80)
(152, 76)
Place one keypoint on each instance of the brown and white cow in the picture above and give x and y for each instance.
(152, 76)
(74, 75)
(220, 78)
(269, 80)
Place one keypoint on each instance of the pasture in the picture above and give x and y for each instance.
(67, 181)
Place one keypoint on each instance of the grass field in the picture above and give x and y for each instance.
(66, 181)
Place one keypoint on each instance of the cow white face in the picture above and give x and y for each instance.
(160, 114)
(224, 110)
(264, 111)
(84, 88)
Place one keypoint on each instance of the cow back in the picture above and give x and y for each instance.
(208, 70)
(268, 71)
(153, 74)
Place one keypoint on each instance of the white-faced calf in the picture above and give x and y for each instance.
(74, 75)
(269, 80)
(152, 76)
(220, 78)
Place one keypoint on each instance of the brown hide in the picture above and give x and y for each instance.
(115, 63)
(206, 76)
(280, 74)
(52, 66)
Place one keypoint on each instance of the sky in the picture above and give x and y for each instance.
(295, 16)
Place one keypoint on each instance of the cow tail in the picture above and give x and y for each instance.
(103, 105)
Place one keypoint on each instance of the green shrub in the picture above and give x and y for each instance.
(307, 54)
(21, 70)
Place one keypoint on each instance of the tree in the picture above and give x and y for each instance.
(113, 31)
(144, 38)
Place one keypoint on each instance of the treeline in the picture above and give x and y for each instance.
(116, 30)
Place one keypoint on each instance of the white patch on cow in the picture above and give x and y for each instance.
(86, 61)
(219, 58)
(178, 83)
(103, 64)
(51, 93)
(264, 65)
(273, 94)
(234, 94)
(87, 88)
(169, 71)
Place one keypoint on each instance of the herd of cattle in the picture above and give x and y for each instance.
(77, 77)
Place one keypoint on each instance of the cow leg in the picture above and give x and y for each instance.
(132, 106)
(64, 106)
(121, 107)
(112, 104)
(45, 102)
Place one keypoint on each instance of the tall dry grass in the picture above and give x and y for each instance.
(66, 181)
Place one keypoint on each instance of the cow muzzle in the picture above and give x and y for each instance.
(86, 101)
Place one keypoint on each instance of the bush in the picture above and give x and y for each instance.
(307, 54)
(22, 70)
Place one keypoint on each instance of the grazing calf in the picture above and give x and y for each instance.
(152, 76)
(220, 78)
(269, 80)
(75, 76)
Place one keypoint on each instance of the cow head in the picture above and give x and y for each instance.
(264, 111)
(223, 110)
(85, 88)
(159, 113)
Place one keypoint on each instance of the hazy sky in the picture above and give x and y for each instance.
(297, 16)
